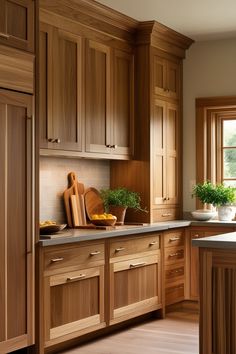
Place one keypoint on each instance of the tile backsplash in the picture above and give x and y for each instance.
(53, 182)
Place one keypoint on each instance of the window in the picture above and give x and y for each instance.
(216, 140)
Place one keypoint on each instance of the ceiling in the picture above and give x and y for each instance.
(197, 19)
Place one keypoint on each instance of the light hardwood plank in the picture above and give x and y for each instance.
(176, 334)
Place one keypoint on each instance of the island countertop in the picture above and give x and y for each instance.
(223, 241)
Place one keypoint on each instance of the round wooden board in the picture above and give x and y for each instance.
(93, 202)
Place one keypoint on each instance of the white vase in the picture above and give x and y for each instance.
(226, 213)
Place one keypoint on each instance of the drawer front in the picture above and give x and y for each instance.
(165, 214)
(197, 234)
(175, 238)
(131, 246)
(174, 254)
(66, 257)
(174, 294)
(174, 274)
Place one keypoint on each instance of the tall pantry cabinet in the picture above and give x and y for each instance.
(17, 162)
(155, 171)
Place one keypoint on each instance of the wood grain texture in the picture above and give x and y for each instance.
(16, 70)
(177, 333)
(16, 238)
(18, 24)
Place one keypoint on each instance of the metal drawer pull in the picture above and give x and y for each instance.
(95, 253)
(4, 35)
(114, 146)
(180, 253)
(178, 287)
(153, 243)
(176, 271)
(166, 214)
(58, 259)
(57, 140)
(77, 277)
(197, 235)
(119, 249)
(135, 265)
(172, 239)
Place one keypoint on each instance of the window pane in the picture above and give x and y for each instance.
(229, 132)
(229, 161)
(230, 183)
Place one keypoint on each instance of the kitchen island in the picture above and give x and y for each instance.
(217, 293)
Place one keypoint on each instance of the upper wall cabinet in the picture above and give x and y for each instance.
(17, 24)
(109, 100)
(86, 95)
(60, 89)
(166, 77)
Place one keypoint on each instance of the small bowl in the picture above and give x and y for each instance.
(51, 229)
(203, 215)
(104, 222)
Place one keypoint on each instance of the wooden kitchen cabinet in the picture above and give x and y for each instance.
(156, 170)
(135, 277)
(73, 296)
(17, 24)
(166, 154)
(194, 233)
(174, 265)
(16, 218)
(60, 89)
(166, 78)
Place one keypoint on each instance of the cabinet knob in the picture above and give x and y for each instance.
(114, 146)
(108, 146)
(164, 198)
(4, 35)
(95, 253)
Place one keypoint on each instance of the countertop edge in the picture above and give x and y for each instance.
(224, 241)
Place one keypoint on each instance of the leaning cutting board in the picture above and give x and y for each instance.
(93, 202)
(75, 188)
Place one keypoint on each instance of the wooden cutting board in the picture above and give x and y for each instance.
(93, 202)
(75, 188)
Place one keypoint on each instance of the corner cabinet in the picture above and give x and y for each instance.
(17, 221)
(17, 24)
(86, 95)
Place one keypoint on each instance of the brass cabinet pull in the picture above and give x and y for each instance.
(58, 259)
(76, 277)
(108, 146)
(197, 235)
(114, 146)
(176, 271)
(178, 287)
(164, 198)
(172, 239)
(119, 249)
(176, 254)
(4, 35)
(153, 243)
(166, 214)
(135, 265)
(95, 253)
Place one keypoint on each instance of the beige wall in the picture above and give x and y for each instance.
(53, 182)
(209, 70)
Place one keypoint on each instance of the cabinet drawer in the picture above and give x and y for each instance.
(174, 274)
(175, 238)
(174, 294)
(174, 254)
(165, 214)
(130, 246)
(66, 257)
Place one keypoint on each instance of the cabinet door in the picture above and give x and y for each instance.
(158, 144)
(173, 79)
(17, 24)
(98, 98)
(73, 304)
(159, 75)
(16, 214)
(122, 127)
(134, 287)
(172, 154)
(60, 89)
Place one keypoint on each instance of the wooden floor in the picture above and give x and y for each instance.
(177, 334)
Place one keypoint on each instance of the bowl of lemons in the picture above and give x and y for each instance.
(49, 227)
(103, 219)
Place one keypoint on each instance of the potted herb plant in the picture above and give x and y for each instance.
(219, 196)
(116, 201)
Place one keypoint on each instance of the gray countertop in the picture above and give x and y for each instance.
(223, 241)
(78, 235)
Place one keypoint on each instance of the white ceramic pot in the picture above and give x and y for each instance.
(226, 213)
(203, 214)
